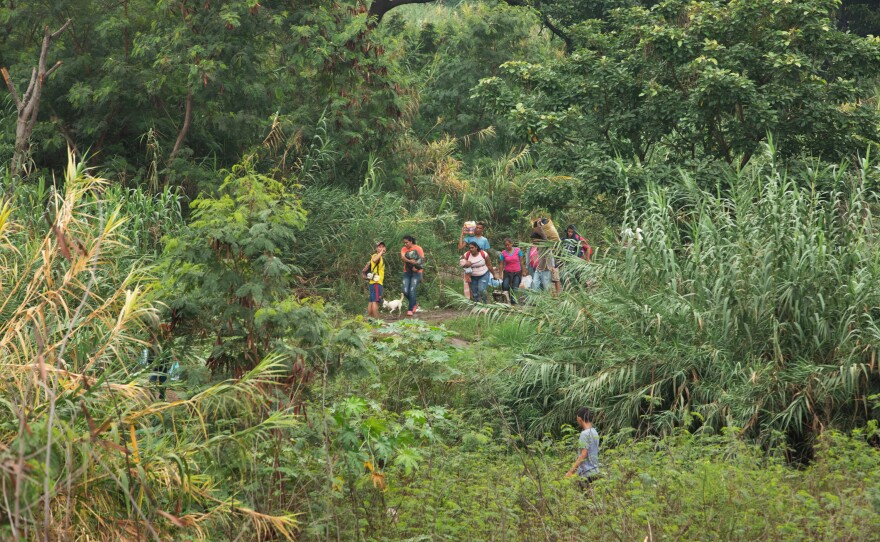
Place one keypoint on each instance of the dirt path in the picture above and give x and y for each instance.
(436, 316)
(433, 317)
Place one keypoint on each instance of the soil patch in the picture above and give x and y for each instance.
(437, 316)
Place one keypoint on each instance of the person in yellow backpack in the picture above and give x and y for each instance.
(374, 273)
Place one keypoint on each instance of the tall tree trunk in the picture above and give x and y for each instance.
(184, 130)
(27, 105)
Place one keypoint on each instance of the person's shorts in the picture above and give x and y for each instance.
(554, 274)
(375, 293)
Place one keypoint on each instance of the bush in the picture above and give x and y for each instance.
(89, 452)
(343, 228)
(231, 275)
(752, 307)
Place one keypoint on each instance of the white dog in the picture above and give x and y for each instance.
(392, 306)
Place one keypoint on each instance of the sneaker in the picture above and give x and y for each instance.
(416, 308)
(409, 313)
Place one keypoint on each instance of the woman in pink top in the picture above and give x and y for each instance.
(514, 269)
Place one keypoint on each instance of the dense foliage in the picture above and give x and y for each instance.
(686, 79)
(86, 450)
(752, 307)
(182, 340)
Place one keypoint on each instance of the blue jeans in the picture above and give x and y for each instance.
(411, 281)
(478, 288)
(541, 280)
(511, 284)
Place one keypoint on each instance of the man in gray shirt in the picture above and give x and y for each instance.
(587, 463)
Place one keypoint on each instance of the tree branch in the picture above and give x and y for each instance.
(28, 105)
(30, 88)
(187, 120)
(51, 70)
(11, 88)
(569, 43)
(545, 19)
(379, 8)
(60, 30)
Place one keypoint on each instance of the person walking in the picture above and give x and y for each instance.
(512, 269)
(481, 241)
(478, 267)
(374, 273)
(586, 466)
(573, 244)
(413, 258)
(540, 263)
(477, 237)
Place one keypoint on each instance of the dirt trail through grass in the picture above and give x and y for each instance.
(433, 317)
(436, 316)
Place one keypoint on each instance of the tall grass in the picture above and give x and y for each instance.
(86, 451)
(754, 307)
(343, 228)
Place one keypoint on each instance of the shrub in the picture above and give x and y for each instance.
(752, 307)
(86, 449)
(232, 273)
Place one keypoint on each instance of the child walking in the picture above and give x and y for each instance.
(587, 463)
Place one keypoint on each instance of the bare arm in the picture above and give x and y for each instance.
(581, 458)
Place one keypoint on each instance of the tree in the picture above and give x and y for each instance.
(700, 78)
(233, 278)
(28, 104)
(175, 88)
(378, 8)
(561, 17)
(483, 37)
(860, 17)
(211, 56)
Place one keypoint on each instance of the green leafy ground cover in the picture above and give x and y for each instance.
(458, 468)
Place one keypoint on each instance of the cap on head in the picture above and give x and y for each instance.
(380, 243)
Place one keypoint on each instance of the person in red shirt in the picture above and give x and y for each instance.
(512, 259)
(413, 258)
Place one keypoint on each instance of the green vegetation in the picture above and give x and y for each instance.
(191, 188)
(750, 307)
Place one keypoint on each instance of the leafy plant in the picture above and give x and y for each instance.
(87, 451)
(233, 273)
(687, 79)
(749, 307)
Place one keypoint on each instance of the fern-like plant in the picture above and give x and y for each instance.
(86, 451)
(754, 307)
